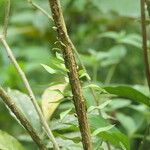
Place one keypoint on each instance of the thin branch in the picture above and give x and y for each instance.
(26, 83)
(18, 113)
(6, 20)
(34, 5)
(144, 37)
(71, 65)
(32, 97)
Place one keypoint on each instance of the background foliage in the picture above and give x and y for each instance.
(107, 36)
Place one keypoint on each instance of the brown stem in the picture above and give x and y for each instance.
(26, 124)
(71, 65)
(144, 37)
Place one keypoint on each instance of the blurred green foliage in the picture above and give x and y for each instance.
(106, 33)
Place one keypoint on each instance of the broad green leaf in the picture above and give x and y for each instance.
(7, 142)
(51, 99)
(49, 69)
(102, 129)
(113, 136)
(128, 92)
(27, 108)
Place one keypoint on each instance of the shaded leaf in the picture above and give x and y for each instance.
(114, 136)
(27, 108)
(128, 92)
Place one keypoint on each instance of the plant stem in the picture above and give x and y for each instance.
(40, 9)
(144, 37)
(71, 65)
(26, 124)
(6, 20)
(24, 79)
(32, 97)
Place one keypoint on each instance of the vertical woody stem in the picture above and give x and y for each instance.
(71, 65)
(144, 37)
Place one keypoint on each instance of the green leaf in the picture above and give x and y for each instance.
(148, 6)
(96, 87)
(83, 73)
(118, 103)
(114, 136)
(131, 9)
(59, 56)
(7, 142)
(127, 122)
(49, 69)
(128, 92)
(101, 106)
(51, 99)
(65, 113)
(102, 129)
(25, 105)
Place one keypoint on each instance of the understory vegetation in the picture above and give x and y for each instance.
(87, 87)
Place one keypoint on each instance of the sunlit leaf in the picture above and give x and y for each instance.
(63, 114)
(102, 129)
(51, 99)
(101, 106)
(7, 142)
(49, 69)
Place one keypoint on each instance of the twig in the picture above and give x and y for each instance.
(26, 124)
(144, 37)
(32, 97)
(6, 20)
(40, 9)
(26, 83)
(71, 65)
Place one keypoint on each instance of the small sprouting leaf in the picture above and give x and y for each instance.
(49, 69)
(102, 129)
(59, 56)
(7, 142)
(83, 73)
(51, 99)
(64, 114)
